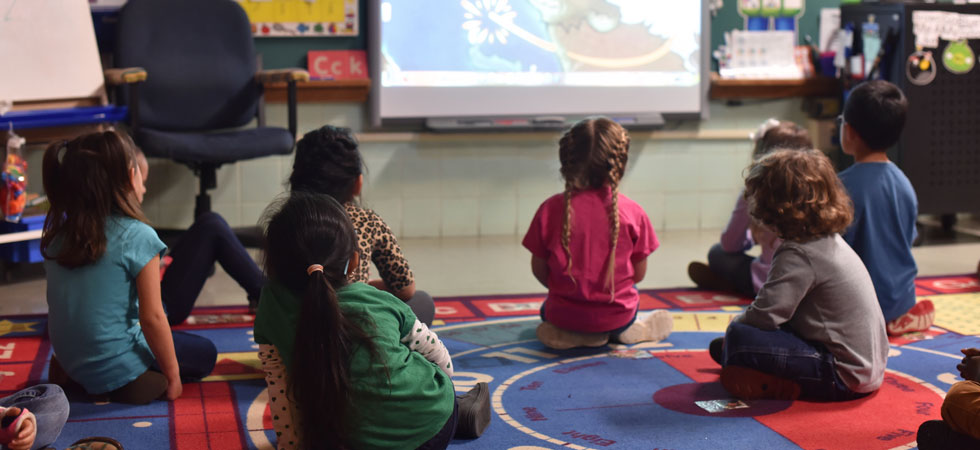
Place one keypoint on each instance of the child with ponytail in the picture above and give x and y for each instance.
(348, 365)
(589, 246)
(106, 319)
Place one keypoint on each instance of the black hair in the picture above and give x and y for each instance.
(876, 110)
(327, 162)
(303, 230)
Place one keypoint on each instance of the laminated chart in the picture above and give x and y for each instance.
(302, 18)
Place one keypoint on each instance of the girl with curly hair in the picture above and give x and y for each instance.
(815, 329)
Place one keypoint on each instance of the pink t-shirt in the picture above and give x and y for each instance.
(584, 304)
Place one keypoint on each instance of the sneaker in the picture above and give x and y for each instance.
(751, 384)
(656, 326)
(559, 339)
(96, 443)
(705, 278)
(715, 349)
(919, 318)
(474, 412)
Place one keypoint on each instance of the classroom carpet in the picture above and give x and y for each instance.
(663, 395)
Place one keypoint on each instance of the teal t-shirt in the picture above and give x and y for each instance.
(93, 311)
(402, 411)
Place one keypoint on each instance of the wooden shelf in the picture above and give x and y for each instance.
(809, 87)
(321, 91)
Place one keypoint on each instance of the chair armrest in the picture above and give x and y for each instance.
(281, 75)
(124, 75)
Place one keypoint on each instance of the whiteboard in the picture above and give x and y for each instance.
(48, 51)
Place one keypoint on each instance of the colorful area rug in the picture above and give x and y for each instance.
(664, 395)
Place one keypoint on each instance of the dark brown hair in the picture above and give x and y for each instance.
(304, 229)
(797, 194)
(86, 180)
(876, 110)
(593, 154)
(787, 135)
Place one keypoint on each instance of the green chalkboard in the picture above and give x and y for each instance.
(291, 52)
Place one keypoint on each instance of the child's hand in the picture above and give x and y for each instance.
(969, 367)
(174, 389)
(25, 436)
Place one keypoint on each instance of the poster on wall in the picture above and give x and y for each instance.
(301, 18)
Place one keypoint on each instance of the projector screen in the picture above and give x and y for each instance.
(493, 58)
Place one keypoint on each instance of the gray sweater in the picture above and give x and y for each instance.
(822, 290)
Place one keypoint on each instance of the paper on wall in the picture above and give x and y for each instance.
(931, 26)
(829, 24)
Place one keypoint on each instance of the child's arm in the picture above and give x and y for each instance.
(404, 294)
(735, 236)
(276, 380)
(970, 366)
(423, 340)
(539, 267)
(639, 270)
(155, 326)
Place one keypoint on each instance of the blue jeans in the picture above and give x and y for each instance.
(50, 407)
(736, 267)
(784, 354)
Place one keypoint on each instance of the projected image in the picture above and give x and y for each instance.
(540, 42)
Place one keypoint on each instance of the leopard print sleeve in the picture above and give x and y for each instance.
(387, 255)
(359, 218)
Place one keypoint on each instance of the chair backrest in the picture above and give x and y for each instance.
(200, 63)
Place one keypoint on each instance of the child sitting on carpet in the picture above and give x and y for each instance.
(188, 263)
(885, 206)
(348, 365)
(729, 268)
(328, 162)
(815, 330)
(106, 320)
(960, 427)
(589, 246)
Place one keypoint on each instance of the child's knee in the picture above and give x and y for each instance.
(961, 409)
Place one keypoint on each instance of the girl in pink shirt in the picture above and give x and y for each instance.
(589, 246)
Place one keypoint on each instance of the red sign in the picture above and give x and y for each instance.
(337, 64)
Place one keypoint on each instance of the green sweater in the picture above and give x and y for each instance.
(402, 411)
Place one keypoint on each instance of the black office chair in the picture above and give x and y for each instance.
(202, 86)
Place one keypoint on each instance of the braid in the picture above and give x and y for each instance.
(617, 166)
(566, 232)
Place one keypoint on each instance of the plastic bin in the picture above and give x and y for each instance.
(24, 251)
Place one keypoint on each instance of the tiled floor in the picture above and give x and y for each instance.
(469, 266)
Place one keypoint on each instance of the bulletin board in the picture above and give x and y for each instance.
(302, 18)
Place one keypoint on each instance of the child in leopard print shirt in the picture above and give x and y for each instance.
(328, 162)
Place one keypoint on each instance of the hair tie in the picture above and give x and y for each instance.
(763, 129)
(314, 268)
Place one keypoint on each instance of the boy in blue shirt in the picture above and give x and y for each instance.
(885, 205)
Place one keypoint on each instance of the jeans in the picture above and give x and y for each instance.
(196, 356)
(736, 267)
(208, 240)
(50, 407)
(784, 354)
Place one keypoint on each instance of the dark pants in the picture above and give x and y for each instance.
(441, 439)
(735, 267)
(50, 407)
(423, 306)
(208, 240)
(784, 354)
(196, 357)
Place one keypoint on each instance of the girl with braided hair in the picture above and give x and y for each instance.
(589, 246)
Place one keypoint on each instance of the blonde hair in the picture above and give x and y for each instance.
(798, 195)
(593, 154)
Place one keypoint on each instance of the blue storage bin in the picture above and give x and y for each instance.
(24, 251)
